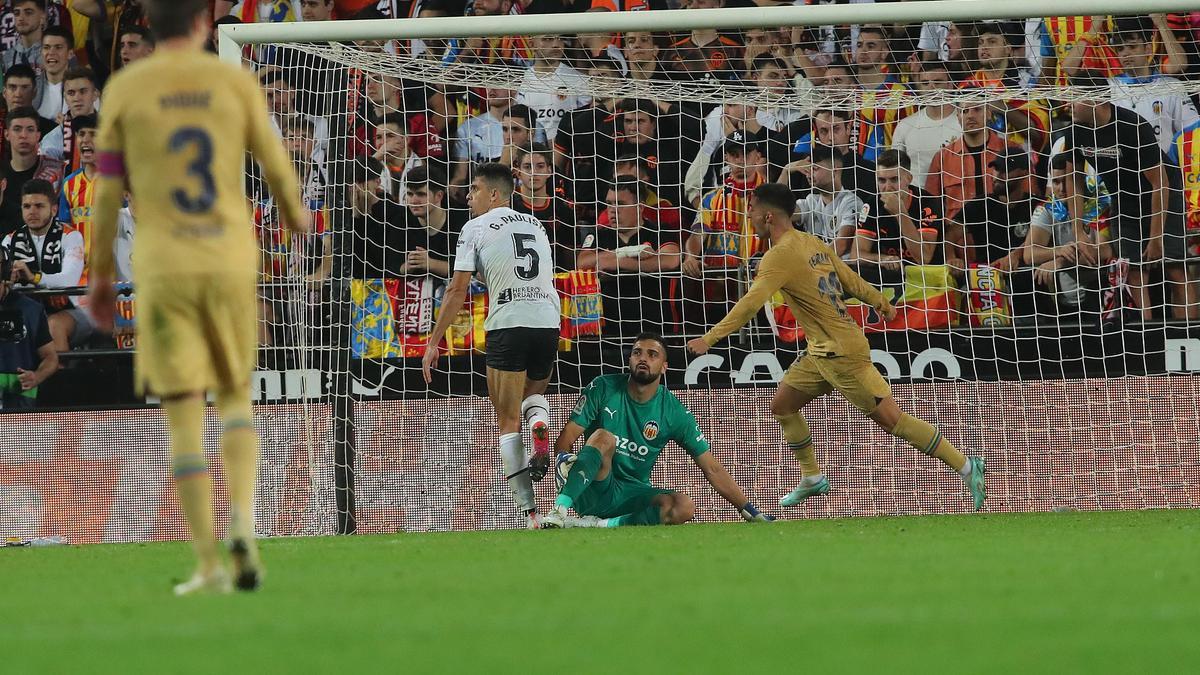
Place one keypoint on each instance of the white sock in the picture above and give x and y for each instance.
(535, 409)
(813, 479)
(512, 459)
(966, 470)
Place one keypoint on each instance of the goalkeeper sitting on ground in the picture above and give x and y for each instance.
(628, 420)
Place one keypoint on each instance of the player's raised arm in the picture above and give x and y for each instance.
(858, 287)
(772, 274)
(268, 150)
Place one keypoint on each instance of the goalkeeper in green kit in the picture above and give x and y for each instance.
(627, 420)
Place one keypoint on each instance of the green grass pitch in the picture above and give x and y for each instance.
(1069, 592)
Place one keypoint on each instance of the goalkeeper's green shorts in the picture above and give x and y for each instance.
(612, 497)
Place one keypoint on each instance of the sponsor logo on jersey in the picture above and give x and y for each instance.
(650, 431)
(611, 413)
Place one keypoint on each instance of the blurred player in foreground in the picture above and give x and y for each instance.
(176, 127)
(627, 421)
(511, 253)
(815, 282)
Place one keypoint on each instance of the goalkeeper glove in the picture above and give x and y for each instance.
(751, 514)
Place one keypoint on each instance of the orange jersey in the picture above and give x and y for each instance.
(1065, 31)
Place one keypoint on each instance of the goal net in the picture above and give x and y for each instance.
(1025, 190)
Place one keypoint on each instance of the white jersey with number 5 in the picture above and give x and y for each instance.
(511, 253)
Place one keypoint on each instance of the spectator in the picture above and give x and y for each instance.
(707, 53)
(959, 171)
(550, 87)
(281, 97)
(722, 236)
(20, 84)
(27, 354)
(81, 93)
(626, 5)
(24, 164)
(265, 11)
(75, 203)
(1167, 111)
(834, 129)
(1068, 239)
(1023, 122)
(903, 223)
(481, 138)
(656, 210)
(301, 143)
(946, 42)
(57, 45)
(992, 230)
(123, 246)
(581, 136)
(1079, 41)
(645, 130)
(393, 152)
(1147, 209)
(316, 10)
(630, 257)
(538, 195)
(47, 254)
(371, 226)
(136, 43)
(519, 132)
(29, 17)
(780, 127)
(214, 39)
(641, 52)
(121, 15)
(428, 129)
(431, 235)
(593, 47)
(830, 212)
(924, 133)
(883, 93)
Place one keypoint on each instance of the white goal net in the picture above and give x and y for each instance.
(1026, 190)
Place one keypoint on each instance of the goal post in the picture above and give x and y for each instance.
(233, 37)
(1078, 397)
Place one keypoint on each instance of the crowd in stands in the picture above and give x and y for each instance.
(652, 194)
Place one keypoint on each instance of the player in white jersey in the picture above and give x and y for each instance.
(1142, 88)
(510, 252)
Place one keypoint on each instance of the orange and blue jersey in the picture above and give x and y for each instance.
(723, 221)
(882, 109)
(1062, 32)
(75, 209)
(1037, 111)
(1185, 154)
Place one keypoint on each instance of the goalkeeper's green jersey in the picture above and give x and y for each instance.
(642, 429)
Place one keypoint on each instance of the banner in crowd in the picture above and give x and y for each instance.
(431, 464)
(393, 317)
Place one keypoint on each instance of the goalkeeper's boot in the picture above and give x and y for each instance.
(556, 519)
(248, 571)
(539, 463)
(975, 482)
(805, 490)
(533, 520)
(215, 582)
